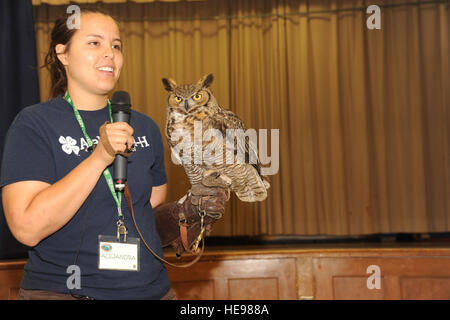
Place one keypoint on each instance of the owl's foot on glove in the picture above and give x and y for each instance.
(184, 223)
(214, 178)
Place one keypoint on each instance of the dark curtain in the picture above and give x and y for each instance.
(18, 87)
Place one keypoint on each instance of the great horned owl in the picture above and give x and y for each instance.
(192, 104)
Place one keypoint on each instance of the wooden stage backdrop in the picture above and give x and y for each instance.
(300, 272)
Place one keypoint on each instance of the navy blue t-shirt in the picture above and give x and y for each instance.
(45, 143)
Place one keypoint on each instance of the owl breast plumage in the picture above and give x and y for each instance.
(205, 137)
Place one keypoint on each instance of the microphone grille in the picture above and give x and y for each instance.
(120, 101)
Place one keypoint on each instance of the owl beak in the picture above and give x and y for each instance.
(186, 105)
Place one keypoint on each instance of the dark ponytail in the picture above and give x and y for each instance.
(61, 34)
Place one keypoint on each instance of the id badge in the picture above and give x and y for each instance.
(115, 255)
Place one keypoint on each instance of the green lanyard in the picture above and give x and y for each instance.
(106, 173)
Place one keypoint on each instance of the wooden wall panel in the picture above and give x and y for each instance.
(400, 277)
(254, 289)
(238, 279)
(297, 273)
(11, 274)
(428, 288)
(194, 290)
(354, 288)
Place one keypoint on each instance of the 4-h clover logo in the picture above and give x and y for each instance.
(69, 145)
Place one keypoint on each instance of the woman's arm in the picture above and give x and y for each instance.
(159, 194)
(34, 209)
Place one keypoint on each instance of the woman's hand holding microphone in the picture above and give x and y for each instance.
(115, 138)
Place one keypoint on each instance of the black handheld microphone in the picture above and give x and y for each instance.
(121, 112)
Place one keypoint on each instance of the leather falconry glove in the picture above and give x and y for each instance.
(183, 223)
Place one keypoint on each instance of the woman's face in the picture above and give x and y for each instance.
(94, 59)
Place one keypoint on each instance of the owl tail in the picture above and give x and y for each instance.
(251, 188)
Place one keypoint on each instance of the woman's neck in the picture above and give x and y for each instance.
(87, 101)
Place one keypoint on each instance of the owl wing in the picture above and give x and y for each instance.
(226, 119)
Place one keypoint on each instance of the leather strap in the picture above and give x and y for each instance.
(184, 239)
(130, 206)
(107, 144)
(183, 235)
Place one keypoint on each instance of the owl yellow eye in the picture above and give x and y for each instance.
(197, 97)
(178, 99)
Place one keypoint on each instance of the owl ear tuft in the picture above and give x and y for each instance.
(206, 81)
(169, 84)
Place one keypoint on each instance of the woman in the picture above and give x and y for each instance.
(55, 193)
